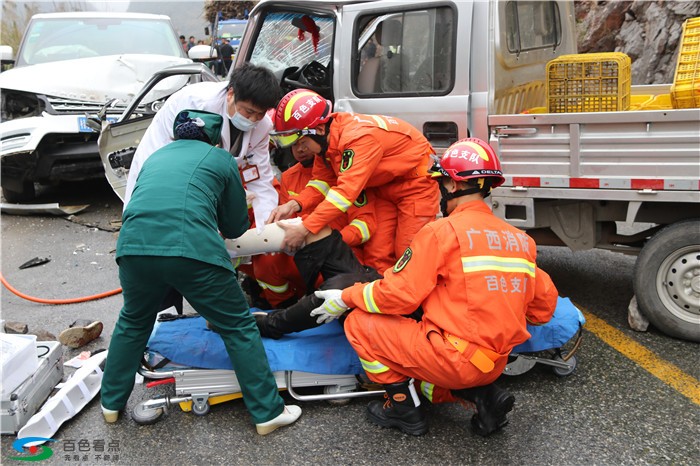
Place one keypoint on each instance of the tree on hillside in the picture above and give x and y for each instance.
(14, 20)
(228, 9)
(16, 15)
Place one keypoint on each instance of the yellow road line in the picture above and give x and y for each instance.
(668, 373)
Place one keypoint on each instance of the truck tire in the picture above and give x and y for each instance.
(667, 280)
(27, 193)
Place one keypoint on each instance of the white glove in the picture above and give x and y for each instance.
(332, 307)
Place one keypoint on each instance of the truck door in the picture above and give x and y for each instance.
(402, 59)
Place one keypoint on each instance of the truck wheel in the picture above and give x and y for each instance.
(26, 193)
(667, 280)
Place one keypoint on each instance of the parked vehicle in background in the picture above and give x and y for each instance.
(459, 68)
(68, 66)
(231, 29)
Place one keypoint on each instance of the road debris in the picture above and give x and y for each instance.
(35, 262)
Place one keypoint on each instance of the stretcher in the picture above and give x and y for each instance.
(185, 353)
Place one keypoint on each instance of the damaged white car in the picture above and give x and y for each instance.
(68, 67)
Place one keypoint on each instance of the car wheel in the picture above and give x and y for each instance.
(667, 280)
(27, 193)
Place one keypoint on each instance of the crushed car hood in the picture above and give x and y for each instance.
(95, 79)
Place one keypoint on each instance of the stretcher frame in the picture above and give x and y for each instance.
(562, 361)
(197, 390)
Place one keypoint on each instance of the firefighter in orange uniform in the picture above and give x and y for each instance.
(476, 280)
(277, 274)
(384, 155)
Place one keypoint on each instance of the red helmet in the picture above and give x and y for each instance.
(297, 114)
(470, 158)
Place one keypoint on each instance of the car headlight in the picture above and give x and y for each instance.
(16, 104)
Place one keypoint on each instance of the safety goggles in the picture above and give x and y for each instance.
(284, 139)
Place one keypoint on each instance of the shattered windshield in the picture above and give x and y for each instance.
(57, 39)
(293, 39)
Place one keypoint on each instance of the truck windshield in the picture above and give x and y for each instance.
(293, 40)
(231, 30)
(56, 39)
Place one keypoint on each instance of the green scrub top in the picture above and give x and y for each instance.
(185, 194)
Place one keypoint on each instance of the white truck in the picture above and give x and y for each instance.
(459, 68)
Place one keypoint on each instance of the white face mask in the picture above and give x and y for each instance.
(241, 122)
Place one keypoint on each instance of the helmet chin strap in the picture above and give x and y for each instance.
(483, 186)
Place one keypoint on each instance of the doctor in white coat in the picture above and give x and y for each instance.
(243, 103)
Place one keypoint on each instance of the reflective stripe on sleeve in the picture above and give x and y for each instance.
(273, 288)
(426, 389)
(373, 367)
(341, 203)
(369, 298)
(380, 121)
(501, 264)
(363, 228)
(321, 186)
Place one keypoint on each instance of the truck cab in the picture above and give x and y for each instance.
(437, 65)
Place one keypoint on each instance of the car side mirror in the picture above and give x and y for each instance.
(202, 53)
(6, 56)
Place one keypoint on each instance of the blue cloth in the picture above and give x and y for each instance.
(321, 350)
(565, 322)
(324, 349)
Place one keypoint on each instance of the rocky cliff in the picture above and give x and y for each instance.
(648, 31)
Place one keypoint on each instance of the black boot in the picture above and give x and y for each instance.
(492, 406)
(401, 409)
(297, 317)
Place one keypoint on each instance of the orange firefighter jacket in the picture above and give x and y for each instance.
(356, 227)
(474, 276)
(363, 151)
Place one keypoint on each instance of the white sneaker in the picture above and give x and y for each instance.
(109, 415)
(290, 414)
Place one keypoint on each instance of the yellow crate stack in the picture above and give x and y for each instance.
(685, 91)
(590, 82)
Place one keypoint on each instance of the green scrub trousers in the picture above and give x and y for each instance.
(215, 294)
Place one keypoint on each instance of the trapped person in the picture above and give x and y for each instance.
(384, 155)
(188, 192)
(475, 278)
(284, 278)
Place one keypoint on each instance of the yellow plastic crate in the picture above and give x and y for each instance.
(637, 102)
(590, 82)
(659, 102)
(685, 90)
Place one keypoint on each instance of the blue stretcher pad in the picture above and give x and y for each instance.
(321, 350)
(324, 349)
(565, 322)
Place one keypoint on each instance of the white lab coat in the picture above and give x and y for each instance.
(211, 97)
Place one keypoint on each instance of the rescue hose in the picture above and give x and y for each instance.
(58, 301)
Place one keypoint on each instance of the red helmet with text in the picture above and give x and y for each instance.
(470, 158)
(297, 114)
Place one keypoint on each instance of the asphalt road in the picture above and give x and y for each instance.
(633, 399)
